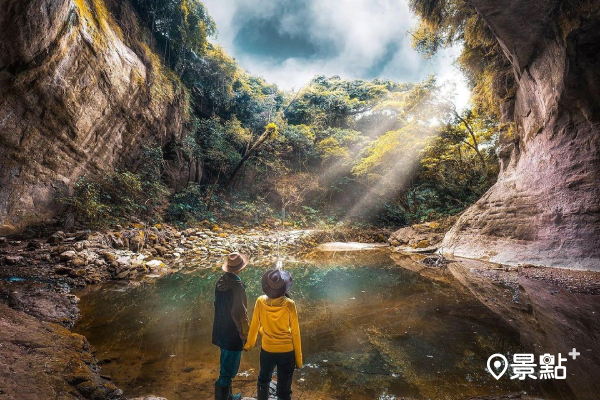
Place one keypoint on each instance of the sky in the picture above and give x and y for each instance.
(288, 42)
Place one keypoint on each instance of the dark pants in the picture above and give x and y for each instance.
(285, 363)
(230, 365)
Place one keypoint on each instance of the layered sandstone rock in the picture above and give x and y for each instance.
(80, 93)
(545, 207)
(43, 360)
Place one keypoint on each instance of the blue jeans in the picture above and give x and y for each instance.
(230, 365)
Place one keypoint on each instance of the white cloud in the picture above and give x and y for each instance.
(362, 38)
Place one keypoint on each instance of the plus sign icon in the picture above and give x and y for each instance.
(574, 353)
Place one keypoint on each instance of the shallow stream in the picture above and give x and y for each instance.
(371, 329)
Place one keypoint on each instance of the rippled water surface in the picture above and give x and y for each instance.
(371, 329)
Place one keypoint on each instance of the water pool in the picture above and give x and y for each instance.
(371, 329)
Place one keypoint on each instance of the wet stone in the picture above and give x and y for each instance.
(124, 261)
(116, 242)
(77, 273)
(161, 250)
(67, 255)
(109, 257)
(34, 244)
(78, 261)
(56, 238)
(44, 257)
(13, 260)
(83, 235)
(148, 398)
(155, 264)
(62, 270)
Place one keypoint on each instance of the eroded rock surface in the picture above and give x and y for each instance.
(42, 360)
(36, 300)
(80, 93)
(545, 207)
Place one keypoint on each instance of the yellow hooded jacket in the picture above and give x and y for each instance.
(277, 322)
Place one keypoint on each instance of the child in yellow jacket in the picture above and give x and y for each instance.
(276, 318)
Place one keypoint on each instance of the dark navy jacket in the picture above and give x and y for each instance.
(230, 327)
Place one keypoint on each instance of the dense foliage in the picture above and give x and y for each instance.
(120, 197)
(394, 153)
(181, 28)
(374, 151)
(447, 22)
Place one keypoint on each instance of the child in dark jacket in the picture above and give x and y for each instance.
(230, 327)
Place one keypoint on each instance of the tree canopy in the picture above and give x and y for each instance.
(449, 22)
(368, 150)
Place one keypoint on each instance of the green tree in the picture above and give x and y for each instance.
(270, 132)
(334, 102)
(448, 22)
(436, 160)
(181, 28)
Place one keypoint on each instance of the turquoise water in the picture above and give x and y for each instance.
(371, 329)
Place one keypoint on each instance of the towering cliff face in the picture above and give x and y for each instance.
(545, 207)
(80, 93)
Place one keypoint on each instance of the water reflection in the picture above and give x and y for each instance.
(370, 329)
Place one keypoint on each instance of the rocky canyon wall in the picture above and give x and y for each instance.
(545, 207)
(81, 92)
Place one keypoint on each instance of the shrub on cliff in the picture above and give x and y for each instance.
(115, 198)
(188, 206)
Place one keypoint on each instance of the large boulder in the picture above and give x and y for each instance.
(545, 207)
(421, 237)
